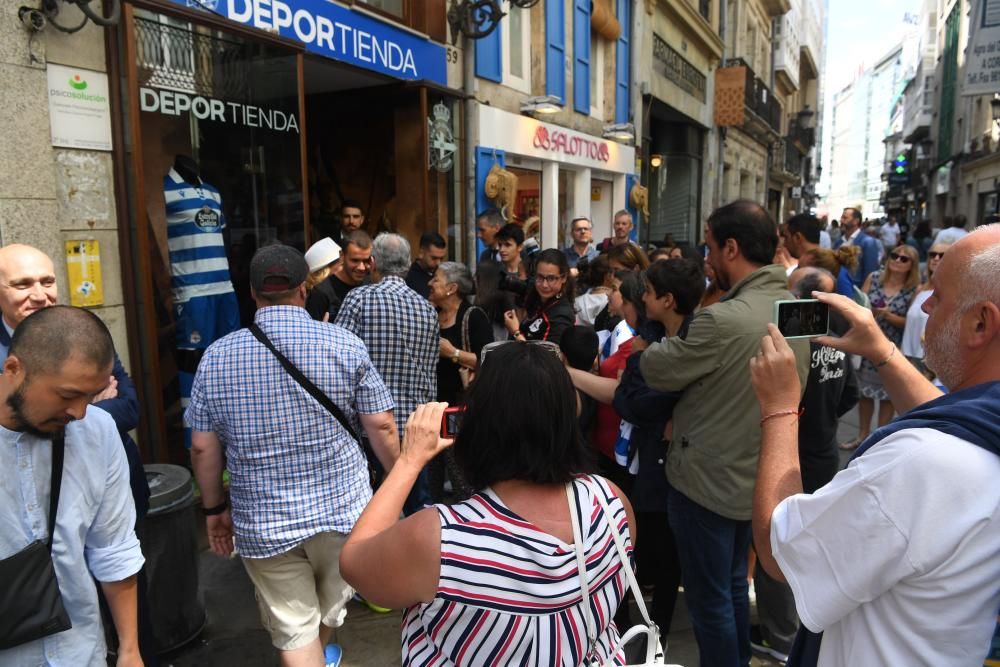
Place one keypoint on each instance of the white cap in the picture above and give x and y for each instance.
(322, 253)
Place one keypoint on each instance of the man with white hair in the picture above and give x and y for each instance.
(897, 559)
(400, 329)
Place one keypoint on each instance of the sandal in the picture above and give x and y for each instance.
(851, 444)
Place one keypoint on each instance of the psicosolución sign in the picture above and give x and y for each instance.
(330, 30)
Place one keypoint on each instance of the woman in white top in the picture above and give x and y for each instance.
(597, 274)
(916, 319)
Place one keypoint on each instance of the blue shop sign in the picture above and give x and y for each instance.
(333, 31)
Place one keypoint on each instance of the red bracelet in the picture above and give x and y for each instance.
(782, 413)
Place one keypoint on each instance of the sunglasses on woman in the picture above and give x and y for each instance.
(935, 255)
(900, 258)
(543, 344)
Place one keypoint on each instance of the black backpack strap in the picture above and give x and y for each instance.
(58, 450)
(298, 376)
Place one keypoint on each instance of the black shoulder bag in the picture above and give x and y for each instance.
(31, 605)
(306, 383)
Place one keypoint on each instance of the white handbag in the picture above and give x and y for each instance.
(654, 653)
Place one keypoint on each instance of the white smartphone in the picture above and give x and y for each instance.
(802, 318)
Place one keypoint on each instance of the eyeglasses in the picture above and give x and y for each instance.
(900, 258)
(935, 255)
(547, 280)
(581, 229)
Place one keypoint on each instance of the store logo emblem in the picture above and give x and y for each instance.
(78, 83)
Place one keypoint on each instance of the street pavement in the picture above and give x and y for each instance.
(233, 634)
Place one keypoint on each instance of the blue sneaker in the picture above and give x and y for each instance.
(332, 655)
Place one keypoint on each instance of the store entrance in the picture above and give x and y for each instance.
(367, 144)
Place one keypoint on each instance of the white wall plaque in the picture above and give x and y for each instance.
(79, 111)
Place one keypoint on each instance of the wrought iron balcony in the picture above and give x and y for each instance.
(743, 100)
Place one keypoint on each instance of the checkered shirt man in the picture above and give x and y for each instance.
(401, 331)
(294, 470)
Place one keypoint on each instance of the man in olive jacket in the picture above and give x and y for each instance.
(712, 460)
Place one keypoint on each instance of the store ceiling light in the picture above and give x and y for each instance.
(541, 104)
(655, 161)
(619, 132)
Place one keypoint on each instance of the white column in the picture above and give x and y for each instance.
(581, 195)
(619, 196)
(550, 205)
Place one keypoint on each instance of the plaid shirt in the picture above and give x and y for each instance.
(401, 331)
(294, 471)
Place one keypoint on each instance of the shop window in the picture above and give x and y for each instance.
(393, 7)
(221, 169)
(517, 54)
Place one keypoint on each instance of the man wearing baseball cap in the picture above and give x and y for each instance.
(298, 477)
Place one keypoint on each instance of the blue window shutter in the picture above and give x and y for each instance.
(485, 159)
(555, 49)
(489, 57)
(581, 56)
(623, 10)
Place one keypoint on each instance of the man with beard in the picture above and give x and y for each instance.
(853, 234)
(59, 359)
(712, 461)
(27, 284)
(896, 560)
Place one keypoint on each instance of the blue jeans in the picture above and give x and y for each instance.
(713, 555)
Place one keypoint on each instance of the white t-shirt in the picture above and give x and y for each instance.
(897, 559)
(916, 322)
(950, 235)
(890, 235)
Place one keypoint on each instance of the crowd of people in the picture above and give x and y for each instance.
(494, 452)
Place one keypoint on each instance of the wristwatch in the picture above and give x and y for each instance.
(218, 509)
(454, 356)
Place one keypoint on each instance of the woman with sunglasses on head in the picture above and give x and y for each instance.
(548, 304)
(916, 318)
(493, 580)
(890, 291)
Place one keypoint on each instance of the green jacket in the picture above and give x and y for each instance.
(712, 457)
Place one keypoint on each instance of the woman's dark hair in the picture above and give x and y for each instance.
(683, 278)
(628, 255)
(579, 345)
(593, 272)
(689, 251)
(750, 225)
(511, 232)
(631, 289)
(520, 420)
(489, 297)
(555, 258)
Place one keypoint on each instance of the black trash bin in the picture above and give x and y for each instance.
(170, 544)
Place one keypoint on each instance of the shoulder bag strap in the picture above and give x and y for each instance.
(298, 376)
(466, 347)
(654, 655)
(581, 564)
(58, 450)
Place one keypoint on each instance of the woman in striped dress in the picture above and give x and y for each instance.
(494, 580)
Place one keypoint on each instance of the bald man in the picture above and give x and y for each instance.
(896, 560)
(28, 284)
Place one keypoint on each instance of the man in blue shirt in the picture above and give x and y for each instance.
(582, 247)
(59, 359)
(871, 249)
(298, 479)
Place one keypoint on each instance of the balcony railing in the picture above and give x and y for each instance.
(803, 137)
(757, 98)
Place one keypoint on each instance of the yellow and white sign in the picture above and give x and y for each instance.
(83, 264)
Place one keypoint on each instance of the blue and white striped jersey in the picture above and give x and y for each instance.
(198, 263)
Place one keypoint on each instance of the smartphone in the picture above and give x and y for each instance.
(802, 318)
(452, 421)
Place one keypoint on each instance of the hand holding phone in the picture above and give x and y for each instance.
(802, 318)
